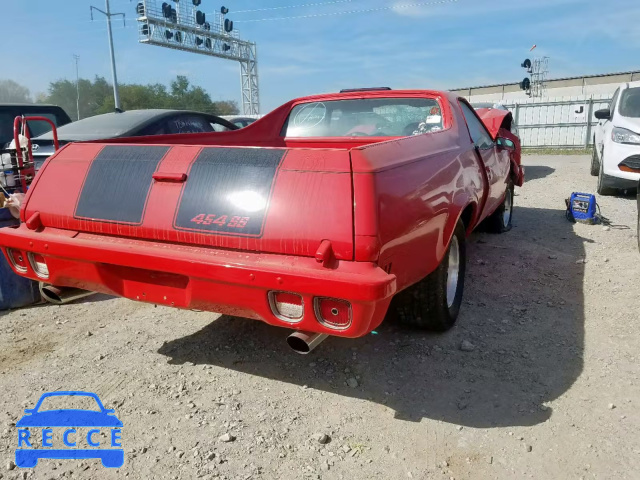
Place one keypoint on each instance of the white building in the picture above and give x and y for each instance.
(598, 86)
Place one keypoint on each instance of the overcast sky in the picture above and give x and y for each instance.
(333, 44)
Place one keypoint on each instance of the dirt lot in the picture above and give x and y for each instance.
(550, 389)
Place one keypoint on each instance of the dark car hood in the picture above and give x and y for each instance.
(69, 418)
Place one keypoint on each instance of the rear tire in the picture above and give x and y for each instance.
(602, 189)
(434, 302)
(595, 164)
(500, 220)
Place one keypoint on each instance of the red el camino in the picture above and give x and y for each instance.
(319, 217)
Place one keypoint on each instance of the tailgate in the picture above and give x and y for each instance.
(254, 199)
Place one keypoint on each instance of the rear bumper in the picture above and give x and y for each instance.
(225, 281)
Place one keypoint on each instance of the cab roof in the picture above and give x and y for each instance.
(376, 93)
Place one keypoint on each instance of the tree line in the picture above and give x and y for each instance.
(96, 97)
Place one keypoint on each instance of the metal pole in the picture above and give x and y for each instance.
(116, 95)
(77, 57)
(108, 14)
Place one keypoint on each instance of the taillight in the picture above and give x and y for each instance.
(17, 259)
(287, 306)
(333, 313)
(39, 265)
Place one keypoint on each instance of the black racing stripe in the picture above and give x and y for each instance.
(228, 191)
(118, 183)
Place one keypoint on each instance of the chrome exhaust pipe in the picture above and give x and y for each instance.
(62, 295)
(305, 342)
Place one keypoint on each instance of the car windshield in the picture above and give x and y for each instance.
(379, 117)
(630, 103)
(69, 402)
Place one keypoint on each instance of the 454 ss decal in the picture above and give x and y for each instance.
(233, 222)
(228, 191)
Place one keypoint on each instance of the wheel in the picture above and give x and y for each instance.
(500, 220)
(113, 459)
(595, 167)
(26, 458)
(602, 189)
(434, 302)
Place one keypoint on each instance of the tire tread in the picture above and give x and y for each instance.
(424, 305)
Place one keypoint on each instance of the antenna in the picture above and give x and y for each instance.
(539, 75)
(181, 25)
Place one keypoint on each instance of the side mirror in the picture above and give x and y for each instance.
(506, 143)
(603, 114)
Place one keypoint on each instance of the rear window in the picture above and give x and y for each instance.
(189, 124)
(374, 117)
(35, 128)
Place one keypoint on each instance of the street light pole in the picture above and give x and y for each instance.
(114, 76)
(77, 57)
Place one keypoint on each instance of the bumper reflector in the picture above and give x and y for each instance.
(333, 313)
(17, 259)
(39, 265)
(287, 306)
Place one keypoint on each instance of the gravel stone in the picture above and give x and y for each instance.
(226, 438)
(467, 346)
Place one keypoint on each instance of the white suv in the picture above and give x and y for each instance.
(616, 146)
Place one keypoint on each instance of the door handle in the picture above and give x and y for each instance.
(170, 177)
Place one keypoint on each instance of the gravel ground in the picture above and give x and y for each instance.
(546, 385)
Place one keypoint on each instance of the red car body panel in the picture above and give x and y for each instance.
(356, 219)
(302, 179)
(498, 122)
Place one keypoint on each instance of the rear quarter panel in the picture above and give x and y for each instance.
(408, 196)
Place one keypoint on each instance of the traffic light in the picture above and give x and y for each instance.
(525, 84)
